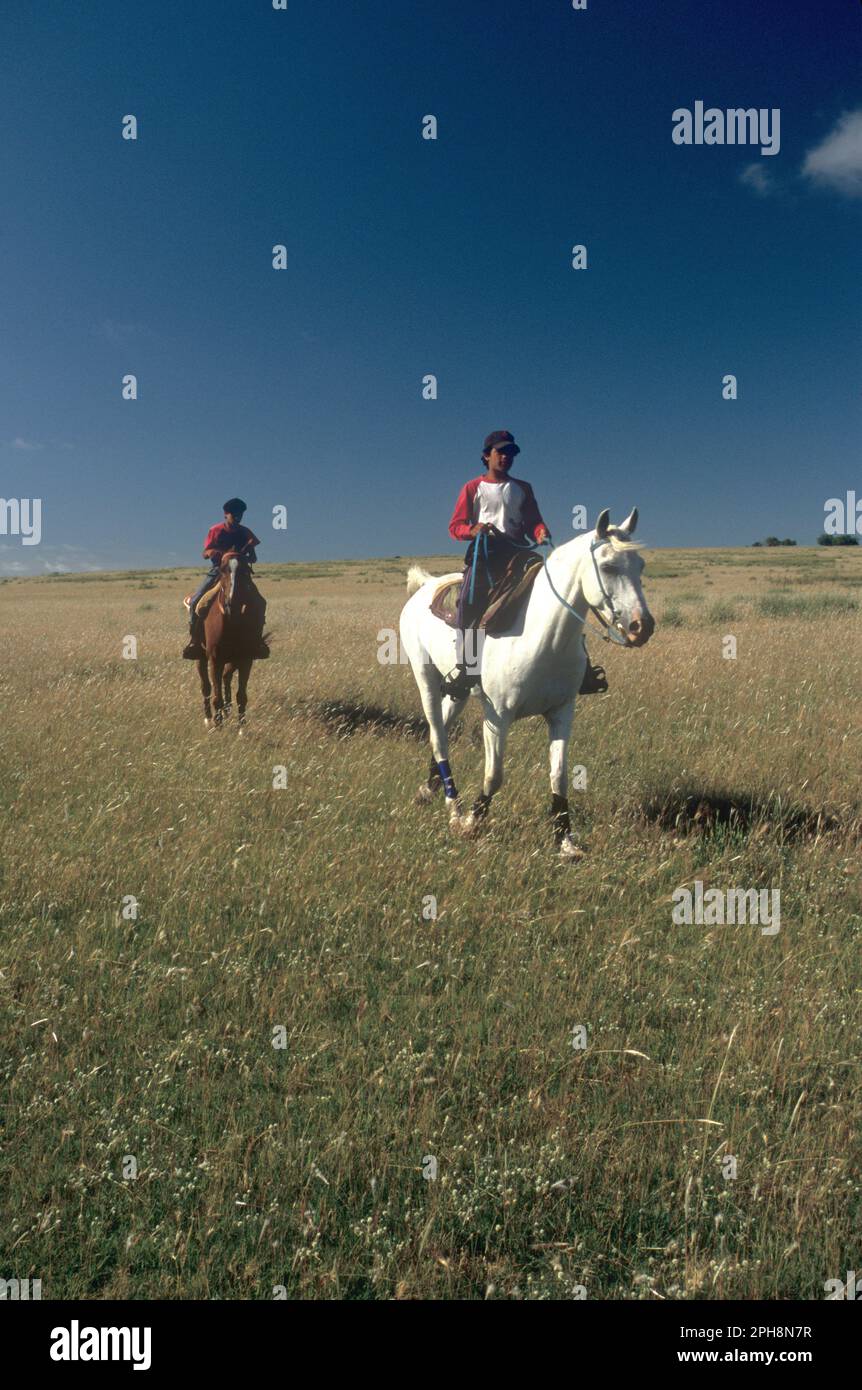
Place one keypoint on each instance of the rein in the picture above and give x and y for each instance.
(483, 537)
(607, 632)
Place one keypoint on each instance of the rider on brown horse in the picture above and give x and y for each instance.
(229, 535)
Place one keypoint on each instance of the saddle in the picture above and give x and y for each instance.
(504, 600)
(204, 603)
(207, 599)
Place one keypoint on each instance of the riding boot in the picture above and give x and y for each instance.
(194, 649)
(595, 682)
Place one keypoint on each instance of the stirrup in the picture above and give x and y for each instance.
(194, 650)
(458, 683)
(595, 682)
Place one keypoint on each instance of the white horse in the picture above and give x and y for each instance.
(535, 667)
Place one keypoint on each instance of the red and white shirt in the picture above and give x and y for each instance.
(509, 505)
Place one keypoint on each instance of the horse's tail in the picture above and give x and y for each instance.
(416, 577)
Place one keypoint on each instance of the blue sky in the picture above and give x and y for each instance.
(406, 256)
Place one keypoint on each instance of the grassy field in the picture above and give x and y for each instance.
(140, 1038)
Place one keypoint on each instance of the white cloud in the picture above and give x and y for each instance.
(28, 444)
(756, 176)
(58, 559)
(837, 161)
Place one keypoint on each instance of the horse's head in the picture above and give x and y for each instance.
(234, 570)
(611, 580)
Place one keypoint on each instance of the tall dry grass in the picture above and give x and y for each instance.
(409, 1037)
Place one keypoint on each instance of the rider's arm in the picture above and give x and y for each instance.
(211, 550)
(533, 523)
(461, 525)
(249, 546)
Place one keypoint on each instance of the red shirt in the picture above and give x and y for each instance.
(222, 538)
(509, 505)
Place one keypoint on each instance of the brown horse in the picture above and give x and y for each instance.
(233, 639)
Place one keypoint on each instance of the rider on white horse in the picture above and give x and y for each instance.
(535, 666)
(499, 516)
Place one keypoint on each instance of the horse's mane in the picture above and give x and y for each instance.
(618, 540)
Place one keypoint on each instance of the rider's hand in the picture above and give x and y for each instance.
(480, 527)
(543, 537)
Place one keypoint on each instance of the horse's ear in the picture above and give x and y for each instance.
(603, 523)
(630, 522)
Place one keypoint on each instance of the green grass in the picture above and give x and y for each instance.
(721, 611)
(412, 1036)
(783, 605)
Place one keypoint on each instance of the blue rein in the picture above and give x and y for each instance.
(483, 537)
(608, 634)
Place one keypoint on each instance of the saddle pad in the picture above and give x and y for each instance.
(444, 604)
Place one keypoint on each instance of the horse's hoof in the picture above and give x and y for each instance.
(207, 723)
(465, 826)
(569, 851)
(424, 796)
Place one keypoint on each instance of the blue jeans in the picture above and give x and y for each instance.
(202, 588)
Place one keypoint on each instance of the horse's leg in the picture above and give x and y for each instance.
(450, 711)
(559, 723)
(494, 733)
(432, 704)
(228, 682)
(244, 670)
(216, 670)
(206, 691)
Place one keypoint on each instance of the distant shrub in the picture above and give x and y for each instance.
(786, 542)
(804, 605)
(720, 611)
(823, 539)
(772, 540)
(757, 543)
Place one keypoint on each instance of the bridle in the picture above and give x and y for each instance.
(608, 632)
(242, 566)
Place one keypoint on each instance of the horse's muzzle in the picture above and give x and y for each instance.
(639, 630)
